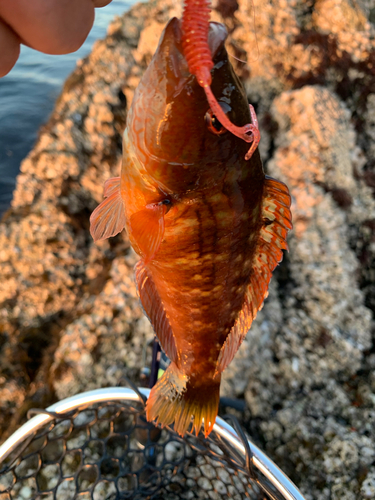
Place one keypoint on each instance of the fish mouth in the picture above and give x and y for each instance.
(168, 119)
(170, 44)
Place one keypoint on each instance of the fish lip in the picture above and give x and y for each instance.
(174, 25)
(217, 36)
(172, 38)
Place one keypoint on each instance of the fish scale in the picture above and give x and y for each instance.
(207, 223)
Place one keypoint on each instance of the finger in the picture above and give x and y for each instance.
(50, 26)
(101, 3)
(10, 48)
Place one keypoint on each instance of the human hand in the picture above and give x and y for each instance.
(50, 26)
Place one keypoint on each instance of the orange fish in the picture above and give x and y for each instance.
(208, 224)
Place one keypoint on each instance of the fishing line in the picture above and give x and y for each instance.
(255, 34)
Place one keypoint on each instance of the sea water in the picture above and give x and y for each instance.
(28, 94)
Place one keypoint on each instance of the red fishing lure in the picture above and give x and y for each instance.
(195, 26)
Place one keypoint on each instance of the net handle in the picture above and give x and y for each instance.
(80, 401)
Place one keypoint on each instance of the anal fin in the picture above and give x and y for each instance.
(108, 219)
(155, 311)
(277, 221)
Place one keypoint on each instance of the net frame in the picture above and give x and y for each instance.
(245, 455)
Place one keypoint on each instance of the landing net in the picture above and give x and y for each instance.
(98, 446)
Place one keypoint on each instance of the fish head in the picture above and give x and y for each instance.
(180, 144)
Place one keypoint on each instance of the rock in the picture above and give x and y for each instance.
(69, 315)
(324, 333)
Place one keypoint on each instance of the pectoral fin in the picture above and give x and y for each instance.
(111, 186)
(277, 219)
(146, 227)
(108, 219)
(155, 311)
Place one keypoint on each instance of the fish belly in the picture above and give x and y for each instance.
(202, 271)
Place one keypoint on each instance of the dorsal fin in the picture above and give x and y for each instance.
(108, 219)
(147, 229)
(272, 241)
(154, 310)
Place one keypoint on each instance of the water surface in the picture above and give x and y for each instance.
(28, 94)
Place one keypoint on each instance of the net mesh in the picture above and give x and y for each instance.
(108, 451)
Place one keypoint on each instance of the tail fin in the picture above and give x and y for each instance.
(175, 399)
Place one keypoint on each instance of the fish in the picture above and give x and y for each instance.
(208, 224)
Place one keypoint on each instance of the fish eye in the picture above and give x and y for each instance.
(167, 203)
(213, 124)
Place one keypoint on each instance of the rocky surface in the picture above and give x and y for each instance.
(69, 316)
